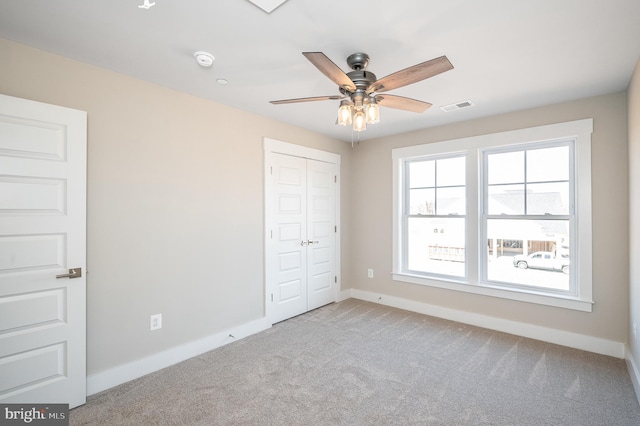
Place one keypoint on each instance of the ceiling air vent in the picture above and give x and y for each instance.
(456, 106)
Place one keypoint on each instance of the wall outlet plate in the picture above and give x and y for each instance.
(155, 322)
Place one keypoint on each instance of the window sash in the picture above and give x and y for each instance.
(484, 189)
(407, 216)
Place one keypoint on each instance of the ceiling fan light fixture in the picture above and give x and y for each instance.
(360, 105)
(344, 113)
(373, 111)
(359, 121)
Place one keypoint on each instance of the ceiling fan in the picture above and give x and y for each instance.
(361, 89)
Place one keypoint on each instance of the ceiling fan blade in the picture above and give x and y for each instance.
(317, 98)
(411, 75)
(331, 70)
(400, 102)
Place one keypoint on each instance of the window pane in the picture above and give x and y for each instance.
(422, 201)
(451, 201)
(422, 174)
(451, 171)
(548, 198)
(506, 199)
(529, 252)
(436, 245)
(548, 164)
(506, 167)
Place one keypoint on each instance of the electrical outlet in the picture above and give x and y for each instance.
(370, 273)
(155, 322)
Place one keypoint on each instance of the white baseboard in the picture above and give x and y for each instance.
(123, 373)
(344, 295)
(632, 366)
(545, 334)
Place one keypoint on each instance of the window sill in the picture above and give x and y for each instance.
(487, 290)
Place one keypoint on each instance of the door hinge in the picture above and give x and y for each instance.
(335, 178)
(335, 279)
(271, 170)
(335, 228)
(272, 297)
(272, 234)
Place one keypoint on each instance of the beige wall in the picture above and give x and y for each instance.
(175, 203)
(372, 198)
(175, 208)
(634, 208)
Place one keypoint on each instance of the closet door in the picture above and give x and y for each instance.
(300, 262)
(320, 233)
(286, 264)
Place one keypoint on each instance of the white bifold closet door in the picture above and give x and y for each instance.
(301, 242)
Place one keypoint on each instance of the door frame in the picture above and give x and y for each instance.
(273, 146)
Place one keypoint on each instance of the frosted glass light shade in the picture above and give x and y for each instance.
(344, 114)
(373, 113)
(359, 121)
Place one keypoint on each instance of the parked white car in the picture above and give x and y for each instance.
(542, 260)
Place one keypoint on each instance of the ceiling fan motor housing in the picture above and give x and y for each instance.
(358, 61)
(362, 80)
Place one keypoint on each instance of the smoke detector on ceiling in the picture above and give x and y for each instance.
(267, 5)
(204, 59)
(457, 105)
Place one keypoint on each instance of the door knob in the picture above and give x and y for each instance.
(73, 273)
(312, 242)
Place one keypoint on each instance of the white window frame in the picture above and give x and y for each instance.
(580, 132)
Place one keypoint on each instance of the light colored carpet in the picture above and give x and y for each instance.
(359, 363)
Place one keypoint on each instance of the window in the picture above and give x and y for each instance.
(436, 199)
(527, 200)
(505, 215)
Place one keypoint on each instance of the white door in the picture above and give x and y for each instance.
(321, 234)
(42, 235)
(287, 241)
(301, 238)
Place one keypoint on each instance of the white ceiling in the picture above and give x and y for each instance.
(508, 54)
